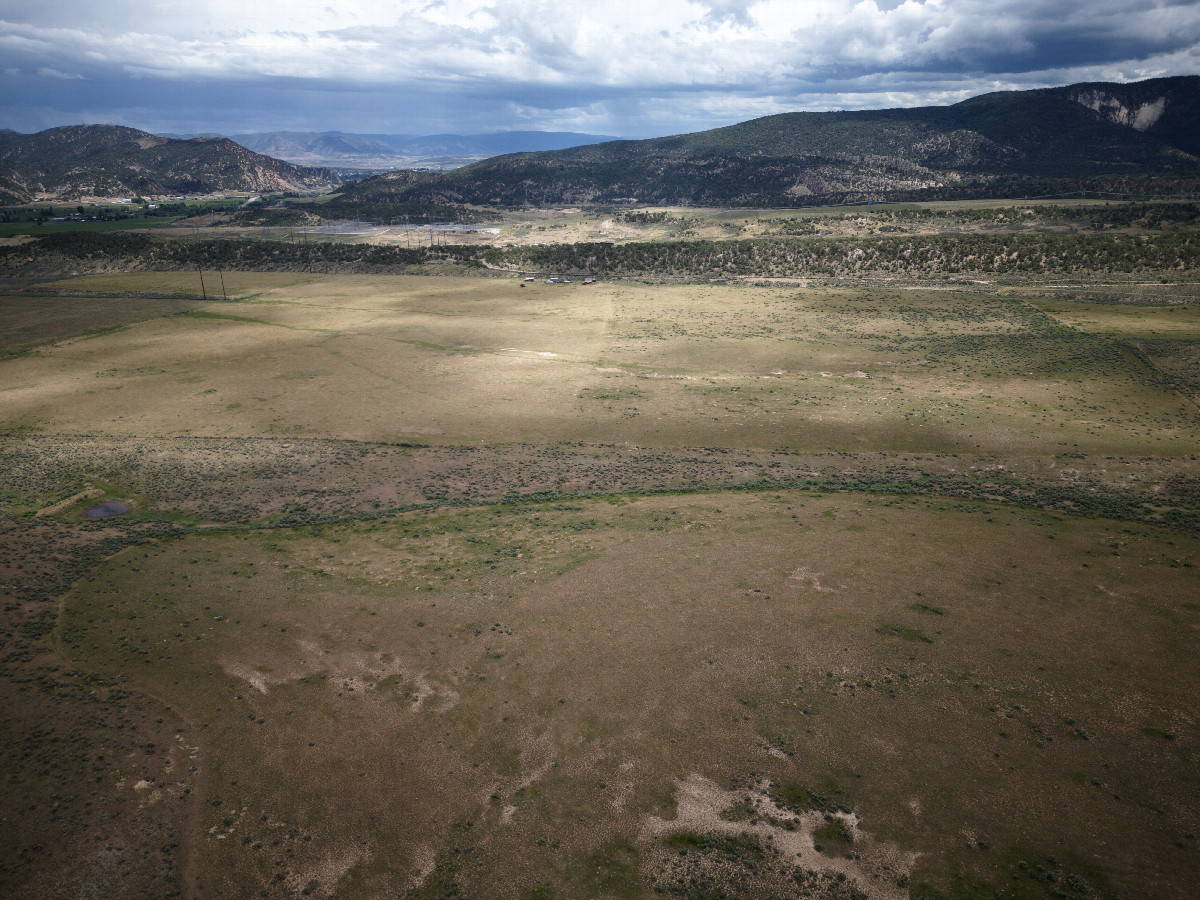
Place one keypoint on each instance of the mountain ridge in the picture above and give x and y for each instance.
(347, 149)
(112, 160)
(985, 143)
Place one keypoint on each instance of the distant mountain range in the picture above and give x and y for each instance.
(1126, 136)
(393, 151)
(995, 144)
(113, 161)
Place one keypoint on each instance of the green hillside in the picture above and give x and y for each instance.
(990, 145)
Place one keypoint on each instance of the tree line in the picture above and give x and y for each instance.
(999, 254)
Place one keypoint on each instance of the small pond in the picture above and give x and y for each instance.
(107, 508)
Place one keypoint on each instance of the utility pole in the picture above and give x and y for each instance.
(224, 296)
(203, 292)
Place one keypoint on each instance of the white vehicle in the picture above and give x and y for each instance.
(530, 278)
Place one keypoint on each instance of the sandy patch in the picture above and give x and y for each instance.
(327, 872)
(425, 690)
(545, 354)
(874, 866)
(812, 579)
(423, 863)
(355, 673)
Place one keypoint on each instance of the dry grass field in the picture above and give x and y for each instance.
(480, 361)
(444, 587)
(968, 685)
(85, 306)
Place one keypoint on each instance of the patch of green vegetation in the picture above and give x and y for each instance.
(612, 394)
(10, 229)
(229, 317)
(800, 797)
(613, 869)
(686, 840)
(666, 798)
(745, 848)
(833, 837)
(246, 255)
(1023, 874)
(1159, 733)
(926, 608)
(742, 811)
(912, 255)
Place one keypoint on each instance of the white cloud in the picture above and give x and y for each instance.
(716, 42)
(47, 72)
(717, 56)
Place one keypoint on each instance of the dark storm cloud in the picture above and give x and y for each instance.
(633, 68)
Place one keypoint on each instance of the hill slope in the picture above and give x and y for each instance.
(110, 160)
(1056, 135)
(335, 148)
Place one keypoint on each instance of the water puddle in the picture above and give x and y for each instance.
(107, 509)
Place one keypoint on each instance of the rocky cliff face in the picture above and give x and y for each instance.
(1167, 109)
(1140, 118)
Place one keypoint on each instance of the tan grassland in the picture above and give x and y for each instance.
(236, 284)
(449, 587)
(518, 689)
(480, 361)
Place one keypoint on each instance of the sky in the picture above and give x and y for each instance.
(631, 69)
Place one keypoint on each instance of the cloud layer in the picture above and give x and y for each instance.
(620, 67)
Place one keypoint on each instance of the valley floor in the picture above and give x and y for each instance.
(440, 587)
